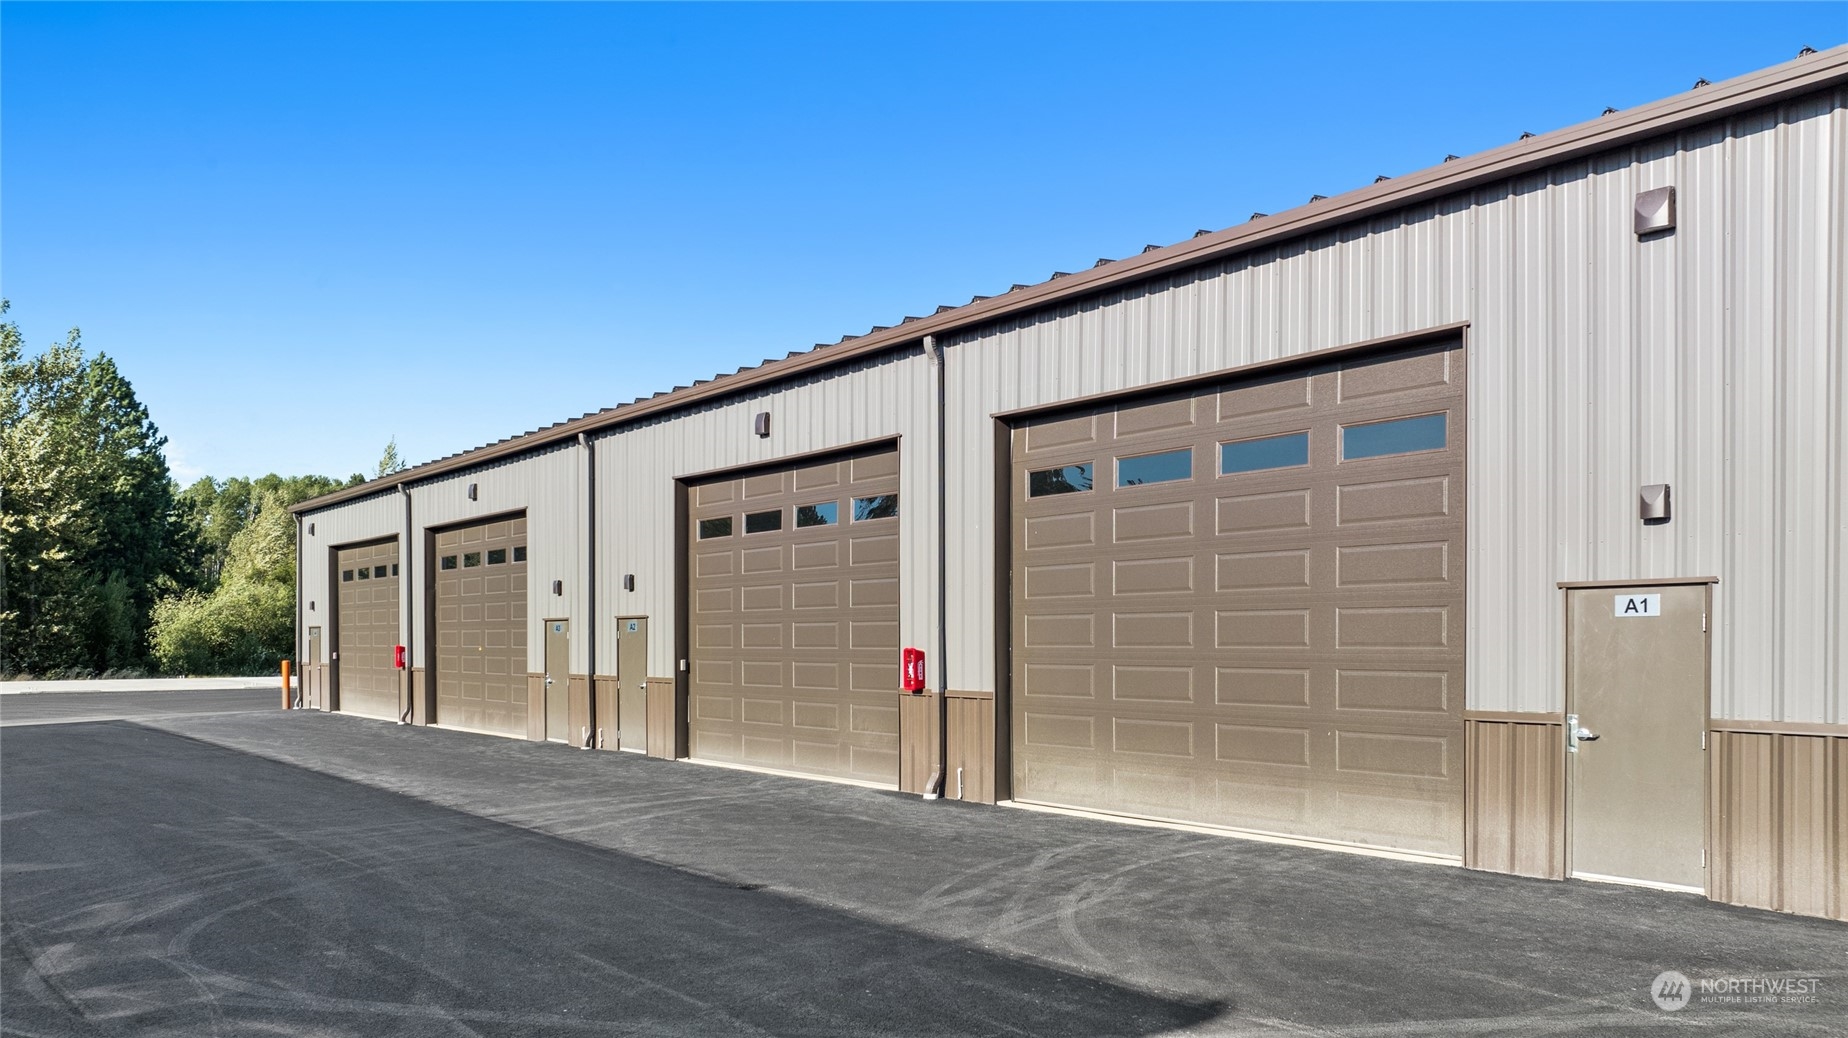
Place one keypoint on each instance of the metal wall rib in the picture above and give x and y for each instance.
(886, 397)
(354, 522)
(1709, 358)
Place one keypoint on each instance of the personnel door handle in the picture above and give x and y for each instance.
(548, 681)
(1576, 735)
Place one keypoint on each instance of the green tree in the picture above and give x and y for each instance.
(218, 510)
(90, 528)
(245, 625)
(243, 620)
(389, 462)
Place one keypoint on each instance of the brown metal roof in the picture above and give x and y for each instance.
(1805, 75)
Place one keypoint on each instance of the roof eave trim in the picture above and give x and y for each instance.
(1805, 75)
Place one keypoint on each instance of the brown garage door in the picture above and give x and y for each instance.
(1243, 604)
(366, 629)
(794, 625)
(480, 575)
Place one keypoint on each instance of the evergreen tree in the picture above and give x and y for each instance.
(87, 512)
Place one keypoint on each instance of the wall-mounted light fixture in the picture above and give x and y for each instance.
(628, 582)
(311, 529)
(762, 424)
(1654, 506)
(472, 488)
(311, 605)
(1655, 211)
(558, 587)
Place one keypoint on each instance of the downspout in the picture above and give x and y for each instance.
(295, 695)
(933, 787)
(590, 582)
(405, 583)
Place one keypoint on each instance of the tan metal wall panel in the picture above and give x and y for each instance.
(884, 398)
(1516, 798)
(1780, 822)
(665, 710)
(969, 741)
(1708, 358)
(919, 739)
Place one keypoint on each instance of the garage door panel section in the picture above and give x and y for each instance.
(367, 629)
(1242, 604)
(480, 578)
(794, 598)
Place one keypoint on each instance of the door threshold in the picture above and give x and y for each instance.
(477, 731)
(1257, 835)
(837, 779)
(1626, 881)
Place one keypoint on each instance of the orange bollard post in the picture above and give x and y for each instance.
(285, 684)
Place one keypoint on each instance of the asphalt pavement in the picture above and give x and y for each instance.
(67, 707)
(307, 874)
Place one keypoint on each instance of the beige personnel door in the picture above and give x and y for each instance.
(1636, 703)
(479, 579)
(794, 618)
(366, 623)
(632, 683)
(311, 673)
(1242, 603)
(558, 680)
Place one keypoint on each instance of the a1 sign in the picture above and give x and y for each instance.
(1638, 605)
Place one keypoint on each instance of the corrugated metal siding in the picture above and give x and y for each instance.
(354, 522)
(1710, 358)
(1517, 799)
(548, 488)
(1779, 807)
(892, 396)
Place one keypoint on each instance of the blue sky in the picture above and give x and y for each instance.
(495, 217)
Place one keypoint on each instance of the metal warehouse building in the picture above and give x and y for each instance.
(1492, 515)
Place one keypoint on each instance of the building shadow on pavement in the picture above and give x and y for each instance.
(159, 885)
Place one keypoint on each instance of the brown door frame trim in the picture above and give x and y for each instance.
(332, 633)
(872, 446)
(1005, 421)
(1455, 330)
(681, 615)
(427, 651)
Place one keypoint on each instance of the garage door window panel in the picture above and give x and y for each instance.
(1261, 455)
(710, 529)
(884, 506)
(1396, 436)
(1146, 469)
(1064, 479)
(763, 522)
(827, 513)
